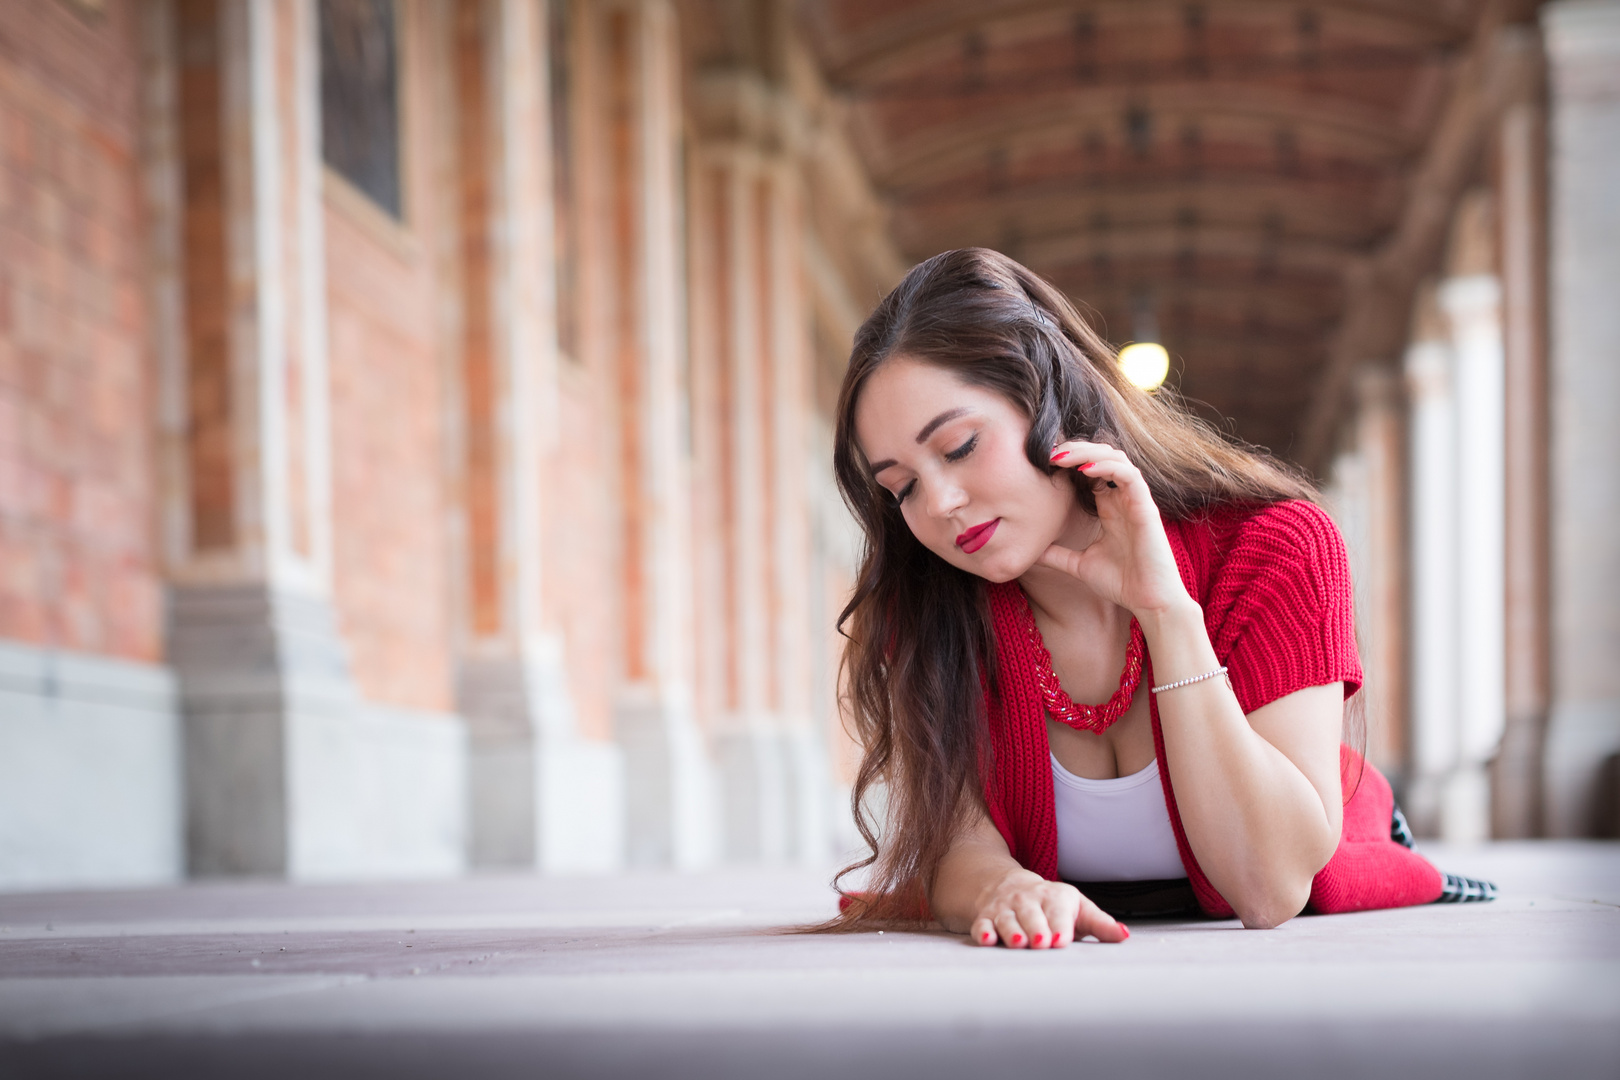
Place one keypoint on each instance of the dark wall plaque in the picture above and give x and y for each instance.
(360, 97)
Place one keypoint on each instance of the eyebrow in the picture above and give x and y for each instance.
(922, 436)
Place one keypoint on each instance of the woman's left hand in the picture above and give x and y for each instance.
(1130, 561)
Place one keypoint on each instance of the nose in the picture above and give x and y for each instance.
(945, 498)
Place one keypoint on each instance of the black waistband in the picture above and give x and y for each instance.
(1163, 899)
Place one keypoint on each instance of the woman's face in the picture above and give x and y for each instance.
(952, 454)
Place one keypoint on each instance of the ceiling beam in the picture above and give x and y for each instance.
(1347, 217)
(1193, 205)
(959, 138)
(1281, 306)
(931, 86)
(920, 34)
(1054, 250)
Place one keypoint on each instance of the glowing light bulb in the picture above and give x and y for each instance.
(1145, 363)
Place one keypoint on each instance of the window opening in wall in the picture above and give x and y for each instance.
(360, 97)
(558, 37)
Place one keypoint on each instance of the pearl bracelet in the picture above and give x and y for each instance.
(1188, 682)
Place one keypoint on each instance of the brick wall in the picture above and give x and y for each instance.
(391, 502)
(579, 558)
(78, 560)
(389, 508)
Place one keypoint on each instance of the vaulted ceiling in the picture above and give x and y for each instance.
(1222, 166)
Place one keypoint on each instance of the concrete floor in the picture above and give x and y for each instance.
(686, 977)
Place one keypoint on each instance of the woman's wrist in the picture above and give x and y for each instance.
(1181, 613)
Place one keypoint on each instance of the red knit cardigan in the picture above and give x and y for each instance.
(1274, 583)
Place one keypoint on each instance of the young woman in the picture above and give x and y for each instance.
(1040, 533)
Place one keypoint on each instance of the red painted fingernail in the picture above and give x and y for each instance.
(986, 937)
(1056, 454)
(1127, 930)
(1018, 939)
(1085, 464)
(1038, 939)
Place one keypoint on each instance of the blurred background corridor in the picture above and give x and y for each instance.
(415, 414)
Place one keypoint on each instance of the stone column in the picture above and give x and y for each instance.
(790, 406)
(1380, 578)
(752, 316)
(287, 773)
(1431, 445)
(1521, 197)
(1471, 307)
(541, 796)
(668, 780)
(748, 741)
(1583, 738)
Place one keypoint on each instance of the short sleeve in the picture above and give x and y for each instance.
(1280, 607)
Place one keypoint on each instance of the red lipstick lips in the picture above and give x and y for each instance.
(978, 536)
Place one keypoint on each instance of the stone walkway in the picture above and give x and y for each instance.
(685, 977)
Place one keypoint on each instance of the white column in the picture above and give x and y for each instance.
(1364, 494)
(541, 796)
(1583, 52)
(809, 787)
(1432, 449)
(1516, 790)
(668, 779)
(1380, 581)
(1471, 306)
(749, 746)
(288, 772)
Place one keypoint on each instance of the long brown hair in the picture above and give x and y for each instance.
(920, 650)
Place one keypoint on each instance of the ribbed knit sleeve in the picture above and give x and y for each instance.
(1277, 599)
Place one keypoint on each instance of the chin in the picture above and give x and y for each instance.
(996, 570)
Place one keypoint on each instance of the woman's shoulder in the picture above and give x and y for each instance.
(1274, 583)
(1238, 545)
(1281, 527)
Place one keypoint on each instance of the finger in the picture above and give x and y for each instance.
(1061, 911)
(1098, 923)
(1077, 451)
(1011, 931)
(1061, 558)
(1116, 474)
(1088, 447)
(1033, 919)
(982, 932)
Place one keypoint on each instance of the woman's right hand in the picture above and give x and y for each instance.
(1023, 910)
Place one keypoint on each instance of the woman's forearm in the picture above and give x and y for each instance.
(975, 865)
(982, 891)
(1258, 826)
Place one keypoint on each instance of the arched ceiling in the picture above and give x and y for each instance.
(1228, 163)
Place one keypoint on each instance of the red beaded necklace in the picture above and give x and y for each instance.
(1098, 718)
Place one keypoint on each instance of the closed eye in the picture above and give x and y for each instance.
(950, 455)
(964, 450)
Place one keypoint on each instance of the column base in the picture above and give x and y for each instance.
(541, 797)
(1581, 738)
(671, 816)
(810, 795)
(754, 792)
(289, 773)
(776, 794)
(90, 792)
(1516, 779)
(556, 806)
(1465, 806)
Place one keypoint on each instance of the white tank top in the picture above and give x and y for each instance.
(1114, 830)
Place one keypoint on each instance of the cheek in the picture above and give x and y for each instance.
(1007, 478)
